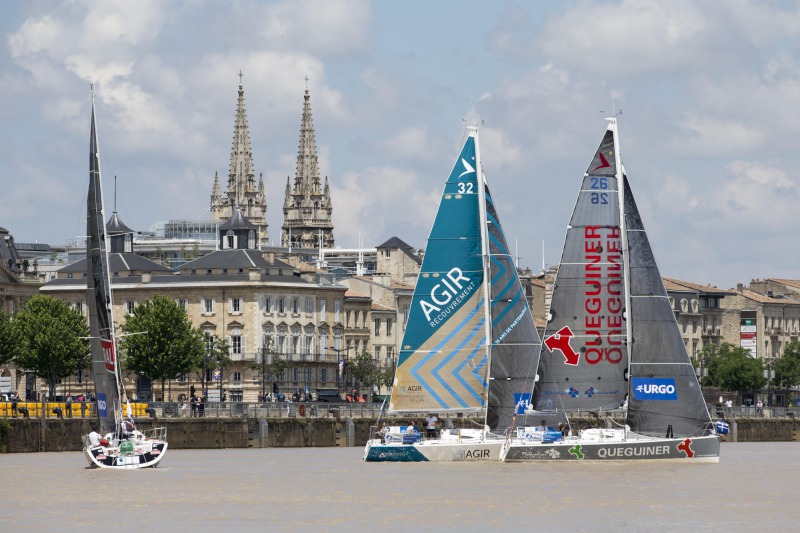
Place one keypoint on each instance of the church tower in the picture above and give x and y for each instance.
(307, 208)
(242, 190)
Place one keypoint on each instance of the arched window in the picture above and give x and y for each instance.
(230, 240)
(251, 240)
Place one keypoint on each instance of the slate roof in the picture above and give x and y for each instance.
(120, 262)
(235, 259)
(115, 226)
(237, 221)
(400, 244)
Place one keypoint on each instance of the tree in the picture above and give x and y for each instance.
(159, 341)
(271, 365)
(731, 368)
(787, 368)
(9, 338)
(52, 339)
(217, 352)
(365, 371)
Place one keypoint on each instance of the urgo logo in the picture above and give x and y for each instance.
(654, 389)
(101, 404)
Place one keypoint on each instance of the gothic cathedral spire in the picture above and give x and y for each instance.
(307, 208)
(242, 190)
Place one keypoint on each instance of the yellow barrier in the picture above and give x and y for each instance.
(35, 409)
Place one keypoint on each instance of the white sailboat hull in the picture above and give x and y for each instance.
(614, 445)
(141, 451)
(454, 445)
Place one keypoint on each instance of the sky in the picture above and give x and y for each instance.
(709, 94)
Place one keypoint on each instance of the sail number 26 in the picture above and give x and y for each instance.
(598, 182)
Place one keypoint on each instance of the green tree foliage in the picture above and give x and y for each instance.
(9, 338)
(52, 339)
(217, 355)
(271, 365)
(787, 368)
(732, 369)
(159, 341)
(364, 370)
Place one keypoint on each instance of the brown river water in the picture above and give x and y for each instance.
(755, 487)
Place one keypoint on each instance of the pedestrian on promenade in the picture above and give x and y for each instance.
(431, 421)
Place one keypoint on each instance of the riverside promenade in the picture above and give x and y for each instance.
(310, 424)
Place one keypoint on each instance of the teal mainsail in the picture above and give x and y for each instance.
(443, 358)
(470, 341)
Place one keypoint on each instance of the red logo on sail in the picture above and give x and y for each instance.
(109, 355)
(603, 162)
(686, 447)
(559, 341)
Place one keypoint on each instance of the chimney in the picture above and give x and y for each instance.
(739, 287)
(146, 277)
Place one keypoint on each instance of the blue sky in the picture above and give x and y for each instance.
(709, 92)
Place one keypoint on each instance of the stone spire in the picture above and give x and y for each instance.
(241, 190)
(307, 208)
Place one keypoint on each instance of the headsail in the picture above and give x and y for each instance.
(101, 326)
(584, 360)
(665, 390)
(515, 341)
(442, 365)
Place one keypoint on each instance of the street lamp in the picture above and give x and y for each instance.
(770, 375)
(340, 365)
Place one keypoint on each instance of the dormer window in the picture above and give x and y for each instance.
(128, 243)
(251, 240)
(229, 242)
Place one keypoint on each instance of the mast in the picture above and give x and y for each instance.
(626, 265)
(481, 182)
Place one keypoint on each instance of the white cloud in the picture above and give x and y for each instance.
(756, 195)
(333, 27)
(379, 202)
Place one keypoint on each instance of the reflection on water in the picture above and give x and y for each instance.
(330, 489)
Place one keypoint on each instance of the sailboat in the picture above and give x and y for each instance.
(470, 341)
(118, 444)
(612, 341)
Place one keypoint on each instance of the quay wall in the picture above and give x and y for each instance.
(20, 435)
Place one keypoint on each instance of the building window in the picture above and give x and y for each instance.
(323, 375)
(237, 376)
(236, 341)
(266, 304)
(208, 306)
(309, 305)
(251, 240)
(405, 317)
(281, 305)
(183, 304)
(323, 342)
(80, 307)
(388, 327)
(322, 309)
(267, 339)
(235, 306)
(296, 306)
(337, 339)
(309, 342)
(281, 340)
(229, 241)
(295, 340)
(337, 308)
(130, 306)
(377, 326)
